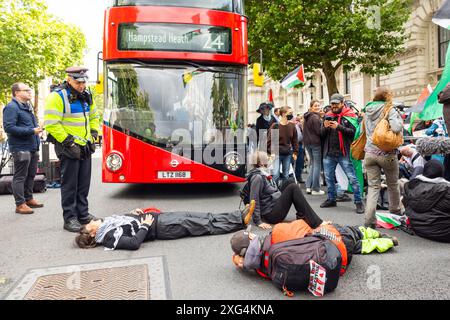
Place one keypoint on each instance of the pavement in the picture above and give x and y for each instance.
(201, 268)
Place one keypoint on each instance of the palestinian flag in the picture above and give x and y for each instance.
(418, 107)
(294, 78)
(433, 109)
(387, 220)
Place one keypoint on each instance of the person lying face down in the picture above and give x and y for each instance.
(129, 231)
(248, 253)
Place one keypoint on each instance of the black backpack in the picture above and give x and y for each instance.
(312, 263)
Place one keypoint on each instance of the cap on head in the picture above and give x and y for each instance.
(240, 242)
(336, 98)
(78, 73)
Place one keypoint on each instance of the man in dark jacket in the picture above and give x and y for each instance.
(264, 122)
(427, 203)
(337, 132)
(23, 139)
(444, 98)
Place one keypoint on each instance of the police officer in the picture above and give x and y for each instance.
(72, 123)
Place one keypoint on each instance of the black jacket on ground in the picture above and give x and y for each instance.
(348, 134)
(428, 208)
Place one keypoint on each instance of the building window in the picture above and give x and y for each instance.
(347, 83)
(444, 39)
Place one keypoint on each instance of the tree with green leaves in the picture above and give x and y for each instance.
(35, 45)
(328, 34)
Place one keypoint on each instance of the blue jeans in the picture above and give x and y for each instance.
(300, 162)
(315, 166)
(281, 161)
(330, 163)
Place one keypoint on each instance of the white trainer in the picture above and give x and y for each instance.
(318, 193)
(308, 190)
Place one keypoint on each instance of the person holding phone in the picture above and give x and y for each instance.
(338, 131)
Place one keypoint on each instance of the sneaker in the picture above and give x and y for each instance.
(318, 193)
(360, 208)
(308, 190)
(247, 213)
(328, 204)
(343, 198)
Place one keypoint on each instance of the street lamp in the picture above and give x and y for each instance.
(311, 88)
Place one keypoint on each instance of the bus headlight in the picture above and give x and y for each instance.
(114, 162)
(232, 161)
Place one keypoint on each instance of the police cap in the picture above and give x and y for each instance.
(78, 73)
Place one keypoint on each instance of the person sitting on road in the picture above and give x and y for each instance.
(248, 252)
(129, 231)
(427, 203)
(273, 204)
(411, 163)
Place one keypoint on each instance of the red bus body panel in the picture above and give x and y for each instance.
(116, 15)
(142, 161)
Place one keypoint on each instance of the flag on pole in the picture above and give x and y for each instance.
(433, 109)
(270, 98)
(294, 78)
(418, 107)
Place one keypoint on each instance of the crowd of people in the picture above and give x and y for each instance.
(325, 136)
(416, 183)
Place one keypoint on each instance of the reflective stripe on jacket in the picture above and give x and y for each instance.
(62, 118)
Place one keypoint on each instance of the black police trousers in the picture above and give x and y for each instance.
(75, 184)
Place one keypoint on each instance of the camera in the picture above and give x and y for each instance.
(329, 118)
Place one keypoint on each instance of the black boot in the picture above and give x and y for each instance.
(328, 204)
(360, 208)
(72, 225)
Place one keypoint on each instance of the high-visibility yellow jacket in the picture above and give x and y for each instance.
(62, 118)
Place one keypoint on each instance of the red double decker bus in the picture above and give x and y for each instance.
(175, 75)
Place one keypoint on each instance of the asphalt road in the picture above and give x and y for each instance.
(200, 268)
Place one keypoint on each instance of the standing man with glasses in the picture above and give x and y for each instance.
(23, 132)
(72, 123)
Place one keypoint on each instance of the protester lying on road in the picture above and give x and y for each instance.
(131, 230)
(252, 252)
(272, 205)
(427, 203)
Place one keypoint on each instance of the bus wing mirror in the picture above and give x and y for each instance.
(258, 75)
(99, 84)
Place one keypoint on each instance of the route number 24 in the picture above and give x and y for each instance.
(217, 43)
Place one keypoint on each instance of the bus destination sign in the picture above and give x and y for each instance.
(174, 37)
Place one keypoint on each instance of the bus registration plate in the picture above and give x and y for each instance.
(174, 174)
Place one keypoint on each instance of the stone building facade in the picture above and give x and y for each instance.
(421, 64)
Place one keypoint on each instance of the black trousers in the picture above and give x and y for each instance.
(75, 184)
(292, 194)
(25, 167)
(175, 225)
